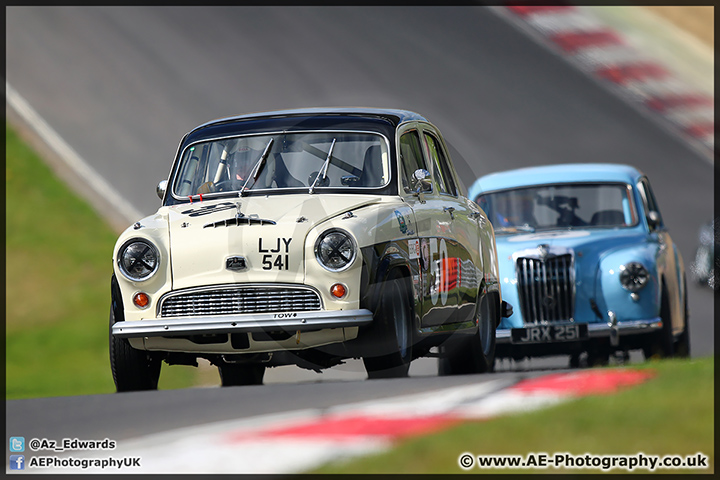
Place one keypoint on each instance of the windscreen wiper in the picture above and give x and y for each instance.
(255, 173)
(323, 170)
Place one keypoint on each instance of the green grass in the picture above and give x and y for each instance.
(671, 414)
(58, 267)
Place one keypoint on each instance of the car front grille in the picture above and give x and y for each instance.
(239, 300)
(546, 288)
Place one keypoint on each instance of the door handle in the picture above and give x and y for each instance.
(478, 217)
(450, 210)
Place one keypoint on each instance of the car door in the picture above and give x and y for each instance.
(665, 258)
(459, 231)
(437, 301)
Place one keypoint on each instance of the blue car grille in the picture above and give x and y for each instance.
(239, 300)
(546, 288)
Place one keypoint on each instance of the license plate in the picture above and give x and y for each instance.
(549, 333)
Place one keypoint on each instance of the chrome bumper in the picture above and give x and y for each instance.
(599, 330)
(289, 322)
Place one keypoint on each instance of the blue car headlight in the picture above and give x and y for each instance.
(633, 276)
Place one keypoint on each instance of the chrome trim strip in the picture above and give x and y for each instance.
(289, 322)
(598, 330)
(631, 327)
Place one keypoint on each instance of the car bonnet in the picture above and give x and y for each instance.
(249, 239)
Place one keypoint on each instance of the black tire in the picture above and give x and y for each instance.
(598, 356)
(661, 343)
(477, 353)
(574, 361)
(132, 369)
(393, 351)
(234, 374)
(682, 346)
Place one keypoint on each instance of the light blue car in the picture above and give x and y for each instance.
(586, 261)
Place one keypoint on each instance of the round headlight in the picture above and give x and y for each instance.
(633, 276)
(138, 259)
(335, 250)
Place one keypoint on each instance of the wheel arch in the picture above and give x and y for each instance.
(116, 301)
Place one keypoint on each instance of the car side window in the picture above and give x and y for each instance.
(441, 171)
(649, 202)
(411, 157)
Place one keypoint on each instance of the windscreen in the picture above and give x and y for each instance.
(288, 160)
(560, 206)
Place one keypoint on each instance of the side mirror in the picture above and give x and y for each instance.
(161, 189)
(422, 181)
(653, 219)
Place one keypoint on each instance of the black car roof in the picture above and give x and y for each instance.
(394, 116)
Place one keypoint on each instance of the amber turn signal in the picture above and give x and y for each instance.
(141, 300)
(338, 290)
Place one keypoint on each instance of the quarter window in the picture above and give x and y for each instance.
(649, 201)
(411, 157)
(441, 171)
(648, 197)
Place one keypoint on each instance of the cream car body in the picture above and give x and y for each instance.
(252, 270)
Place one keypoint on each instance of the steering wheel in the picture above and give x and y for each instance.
(224, 186)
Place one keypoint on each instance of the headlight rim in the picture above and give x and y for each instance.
(635, 268)
(124, 247)
(353, 243)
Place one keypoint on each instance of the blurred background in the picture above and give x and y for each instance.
(104, 95)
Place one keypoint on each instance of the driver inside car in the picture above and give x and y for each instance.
(233, 170)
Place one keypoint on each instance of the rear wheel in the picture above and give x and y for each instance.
(393, 353)
(233, 374)
(475, 354)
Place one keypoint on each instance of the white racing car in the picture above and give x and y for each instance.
(306, 237)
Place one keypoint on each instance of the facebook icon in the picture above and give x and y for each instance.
(17, 462)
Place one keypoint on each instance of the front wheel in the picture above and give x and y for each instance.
(393, 350)
(132, 369)
(682, 346)
(660, 344)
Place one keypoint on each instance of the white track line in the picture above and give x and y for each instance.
(69, 156)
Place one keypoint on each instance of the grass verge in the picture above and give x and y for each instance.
(58, 266)
(671, 414)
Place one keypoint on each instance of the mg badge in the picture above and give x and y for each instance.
(235, 264)
(543, 251)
